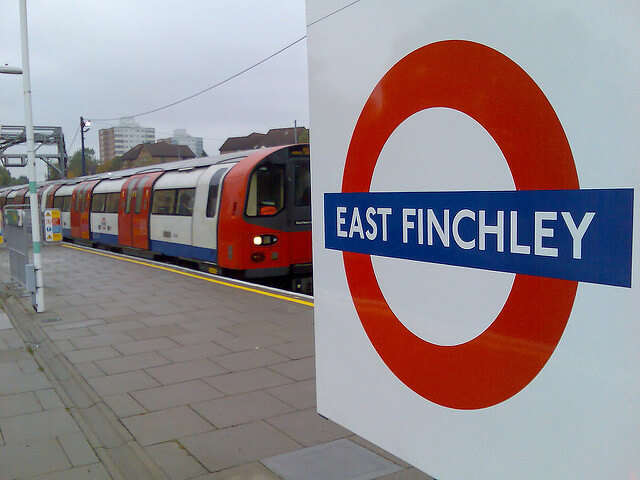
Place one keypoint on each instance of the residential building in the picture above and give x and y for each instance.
(181, 137)
(115, 141)
(154, 153)
(273, 138)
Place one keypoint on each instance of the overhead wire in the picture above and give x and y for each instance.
(74, 138)
(232, 77)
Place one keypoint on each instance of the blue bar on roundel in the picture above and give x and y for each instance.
(583, 235)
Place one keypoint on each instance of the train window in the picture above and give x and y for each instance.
(302, 187)
(66, 203)
(57, 203)
(214, 189)
(130, 189)
(97, 205)
(112, 202)
(139, 195)
(266, 191)
(163, 202)
(185, 201)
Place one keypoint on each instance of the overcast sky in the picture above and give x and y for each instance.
(104, 59)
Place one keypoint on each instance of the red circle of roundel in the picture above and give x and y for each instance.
(492, 89)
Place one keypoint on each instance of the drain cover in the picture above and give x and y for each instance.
(338, 460)
(50, 320)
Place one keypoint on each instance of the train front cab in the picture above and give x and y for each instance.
(265, 214)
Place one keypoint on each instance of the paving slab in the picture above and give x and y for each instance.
(165, 425)
(121, 383)
(308, 428)
(234, 446)
(193, 352)
(128, 363)
(243, 408)
(18, 404)
(302, 369)
(143, 346)
(247, 380)
(249, 471)
(37, 425)
(178, 372)
(258, 357)
(88, 472)
(176, 394)
(300, 395)
(176, 461)
(36, 457)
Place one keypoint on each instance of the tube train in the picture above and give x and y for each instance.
(243, 214)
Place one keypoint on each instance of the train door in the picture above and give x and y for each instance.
(125, 217)
(205, 212)
(299, 200)
(76, 208)
(140, 211)
(85, 212)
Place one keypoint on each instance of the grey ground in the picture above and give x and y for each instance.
(135, 372)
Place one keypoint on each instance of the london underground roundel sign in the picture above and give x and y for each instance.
(492, 89)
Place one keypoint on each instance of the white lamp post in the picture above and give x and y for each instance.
(31, 158)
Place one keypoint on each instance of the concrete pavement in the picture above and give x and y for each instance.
(140, 372)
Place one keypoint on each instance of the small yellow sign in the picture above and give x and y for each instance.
(52, 225)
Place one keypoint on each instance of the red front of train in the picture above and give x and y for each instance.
(265, 214)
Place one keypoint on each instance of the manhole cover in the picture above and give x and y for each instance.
(339, 460)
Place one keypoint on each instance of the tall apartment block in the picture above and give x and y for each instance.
(181, 137)
(115, 141)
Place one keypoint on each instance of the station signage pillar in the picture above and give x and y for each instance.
(476, 260)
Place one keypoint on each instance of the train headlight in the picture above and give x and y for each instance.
(264, 240)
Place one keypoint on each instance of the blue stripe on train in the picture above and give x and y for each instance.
(105, 238)
(184, 251)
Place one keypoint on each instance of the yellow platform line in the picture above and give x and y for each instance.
(193, 275)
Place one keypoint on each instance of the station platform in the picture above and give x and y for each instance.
(142, 370)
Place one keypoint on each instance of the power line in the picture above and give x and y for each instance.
(332, 13)
(74, 138)
(226, 80)
(236, 75)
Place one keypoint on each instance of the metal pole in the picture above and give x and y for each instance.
(31, 159)
(84, 165)
(295, 131)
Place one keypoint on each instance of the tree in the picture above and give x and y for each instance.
(110, 165)
(5, 177)
(75, 163)
(6, 180)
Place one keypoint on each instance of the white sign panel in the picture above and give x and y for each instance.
(475, 177)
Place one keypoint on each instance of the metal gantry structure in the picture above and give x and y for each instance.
(11, 135)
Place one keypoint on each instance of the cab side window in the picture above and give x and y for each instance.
(214, 192)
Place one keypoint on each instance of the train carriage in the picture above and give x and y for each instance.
(247, 214)
(103, 220)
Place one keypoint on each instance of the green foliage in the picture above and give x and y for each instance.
(110, 165)
(74, 164)
(6, 180)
